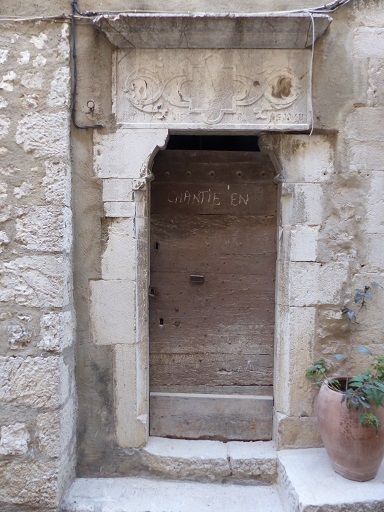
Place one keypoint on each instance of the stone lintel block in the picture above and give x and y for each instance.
(127, 153)
(316, 283)
(119, 258)
(253, 461)
(119, 209)
(113, 311)
(180, 458)
(368, 42)
(119, 190)
(293, 432)
(131, 424)
(365, 124)
(304, 243)
(367, 156)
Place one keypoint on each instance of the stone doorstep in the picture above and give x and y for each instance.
(306, 482)
(211, 460)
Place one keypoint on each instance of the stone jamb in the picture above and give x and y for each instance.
(300, 219)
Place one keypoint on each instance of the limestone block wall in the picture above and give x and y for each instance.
(37, 392)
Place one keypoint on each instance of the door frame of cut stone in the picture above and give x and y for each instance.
(130, 153)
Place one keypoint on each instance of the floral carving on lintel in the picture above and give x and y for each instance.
(211, 89)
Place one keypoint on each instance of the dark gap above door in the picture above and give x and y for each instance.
(214, 142)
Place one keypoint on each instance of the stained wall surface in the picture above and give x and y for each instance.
(331, 241)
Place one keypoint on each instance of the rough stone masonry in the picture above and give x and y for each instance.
(74, 232)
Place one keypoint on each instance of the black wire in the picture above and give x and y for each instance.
(74, 60)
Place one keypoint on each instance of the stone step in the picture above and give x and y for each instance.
(135, 494)
(212, 461)
(229, 477)
(307, 483)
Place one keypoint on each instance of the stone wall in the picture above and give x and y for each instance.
(37, 393)
(331, 241)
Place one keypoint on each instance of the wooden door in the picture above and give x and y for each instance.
(213, 258)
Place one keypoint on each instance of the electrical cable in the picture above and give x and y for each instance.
(311, 74)
(78, 14)
(74, 90)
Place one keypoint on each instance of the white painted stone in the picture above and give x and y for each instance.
(41, 229)
(32, 381)
(113, 312)
(14, 439)
(119, 258)
(117, 190)
(315, 283)
(368, 43)
(119, 209)
(365, 124)
(126, 153)
(56, 331)
(131, 430)
(59, 95)
(3, 103)
(307, 205)
(45, 135)
(36, 281)
(304, 243)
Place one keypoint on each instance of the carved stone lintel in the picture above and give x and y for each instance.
(214, 89)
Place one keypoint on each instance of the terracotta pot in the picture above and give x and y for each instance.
(356, 452)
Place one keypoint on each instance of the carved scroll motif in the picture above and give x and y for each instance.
(210, 89)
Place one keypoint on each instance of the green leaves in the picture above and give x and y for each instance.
(317, 372)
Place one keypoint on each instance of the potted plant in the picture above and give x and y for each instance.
(349, 407)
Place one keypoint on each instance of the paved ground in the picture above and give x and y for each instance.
(306, 483)
(143, 495)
